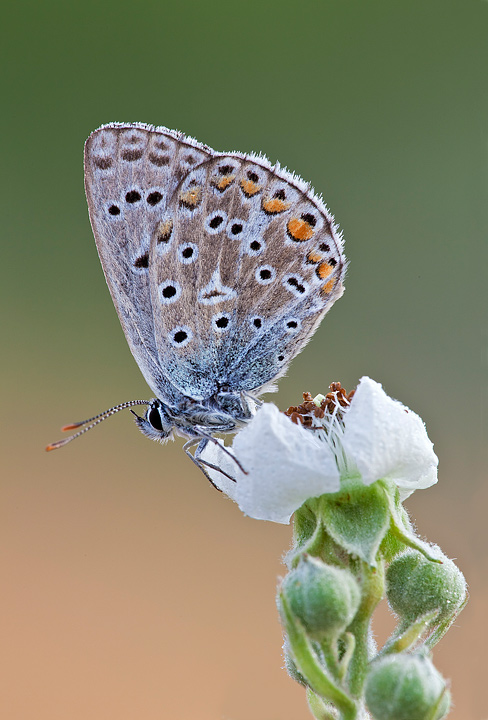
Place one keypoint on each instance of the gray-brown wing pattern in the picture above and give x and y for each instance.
(243, 264)
(131, 172)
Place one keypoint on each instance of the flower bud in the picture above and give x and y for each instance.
(324, 598)
(416, 585)
(406, 687)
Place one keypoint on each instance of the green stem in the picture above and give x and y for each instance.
(373, 581)
(309, 666)
(349, 644)
(405, 636)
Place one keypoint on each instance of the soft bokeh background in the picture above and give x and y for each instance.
(131, 589)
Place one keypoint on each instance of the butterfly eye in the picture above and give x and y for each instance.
(154, 418)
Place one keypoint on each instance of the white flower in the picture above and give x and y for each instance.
(370, 435)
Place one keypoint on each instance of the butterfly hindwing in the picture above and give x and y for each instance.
(243, 265)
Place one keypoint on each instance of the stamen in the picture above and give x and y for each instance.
(332, 404)
(325, 415)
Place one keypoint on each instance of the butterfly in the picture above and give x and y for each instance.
(220, 266)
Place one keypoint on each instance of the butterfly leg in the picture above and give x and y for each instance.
(201, 463)
(210, 438)
(198, 461)
(255, 400)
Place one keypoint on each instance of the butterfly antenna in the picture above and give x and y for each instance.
(92, 422)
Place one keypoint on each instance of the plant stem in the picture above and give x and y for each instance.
(373, 580)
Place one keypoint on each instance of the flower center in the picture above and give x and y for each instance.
(325, 415)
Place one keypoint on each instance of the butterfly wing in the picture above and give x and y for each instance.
(243, 266)
(131, 172)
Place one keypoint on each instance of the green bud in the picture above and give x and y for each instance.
(416, 586)
(324, 598)
(406, 687)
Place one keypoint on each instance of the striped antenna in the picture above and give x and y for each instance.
(96, 420)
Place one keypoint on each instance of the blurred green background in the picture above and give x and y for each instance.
(130, 587)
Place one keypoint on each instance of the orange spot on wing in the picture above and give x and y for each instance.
(275, 205)
(299, 230)
(250, 188)
(192, 197)
(328, 286)
(224, 182)
(314, 257)
(324, 270)
(164, 230)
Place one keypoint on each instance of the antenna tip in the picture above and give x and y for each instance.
(73, 426)
(54, 445)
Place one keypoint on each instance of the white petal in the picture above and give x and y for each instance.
(285, 467)
(387, 440)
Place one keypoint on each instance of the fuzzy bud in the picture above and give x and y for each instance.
(324, 598)
(406, 687)
(415, 586)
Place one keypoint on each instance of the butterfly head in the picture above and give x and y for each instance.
(156, 423)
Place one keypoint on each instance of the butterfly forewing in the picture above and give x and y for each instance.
(131, 171)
